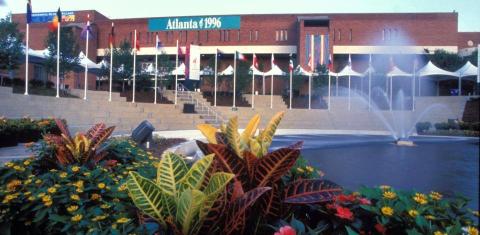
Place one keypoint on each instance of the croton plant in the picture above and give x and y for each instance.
(252, 191)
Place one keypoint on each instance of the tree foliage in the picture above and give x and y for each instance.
(11, 45)
(69, 50)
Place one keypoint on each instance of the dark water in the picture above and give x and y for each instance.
(447, 165)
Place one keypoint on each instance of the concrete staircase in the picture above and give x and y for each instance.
(472, 110)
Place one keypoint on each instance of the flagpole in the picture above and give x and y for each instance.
(253, 82)
(26, 58)
(156, 71)
(310, 91)
(391, 92)
(291, 76)
(329, 88)
(263, 84)
(58, 59)
(234, 77)
(413, 86)
(215, 88)
(134, 64)
(271, 85)
(369, 89)
(176, 76)
(111, 71)
(336, 85)
(86, 64)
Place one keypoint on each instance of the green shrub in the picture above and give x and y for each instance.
(442, 126)
(423, 126)
(73, 199)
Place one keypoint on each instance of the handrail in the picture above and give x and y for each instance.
(201, 104)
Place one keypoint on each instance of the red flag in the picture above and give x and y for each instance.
(290, 64)
(240, 56)
(111, 38)
(310, 63)
(255, 61)
(137, 42)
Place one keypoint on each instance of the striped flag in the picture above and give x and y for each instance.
(137, 42)
(111, 38)
(330, 62)
(255, 61)
(29, 12)
(86, 29)
(273, 61)
(290, 64)
(57, 19)
(158, 44)
(241, 56)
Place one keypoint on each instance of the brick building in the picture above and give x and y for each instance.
(338, 35)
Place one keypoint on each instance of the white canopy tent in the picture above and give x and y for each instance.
(429, 70)
(347, 71)
(179, 71)
(397, 72)
(275, 71)
(368, 72)
(227, 71)
(467, 70)
(254, 71)
(85, 61)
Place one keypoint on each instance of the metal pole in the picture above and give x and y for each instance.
(58, 60)
(369, 89)
(413, 91)
(234, 77)
(26, 59)
(291, 78)
(176, 76)
(349, 90)
(310, 92)
(329, 90)
(391, 92)
(419, 86)
(271, 92)
(156, 71)
(336, 86)
(111, 72)
(134, 64)
(215, 88)
(459, 86)
(86, 64)
(253, 88)
(263, 84)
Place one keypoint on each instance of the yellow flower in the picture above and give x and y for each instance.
(122, 220)
(75, 169)
(76, 218)
(99, 217)
(122, 187)
(439, 233)
(72, 208)
(420, 198)
(389, 195)
(9, 164)
(116, 200)
(19, 168)
(101, 185)
(435, 196)
(385, 187)
(95, 197)
(41, 194)
(27, 193)
(309, 168)
(472, 230)
(105, 206)
(52, 190)
(388, 211)
(26, 162)
(31, 198)
(39, 181)
(300, 170)
(412, 213)
(9, 197)
(430, 217)
(63, 175)
(47, 200)
(27, 181)
(75, 197)
(86, 173)
(12, 185)
(78, 184)
(79, 190)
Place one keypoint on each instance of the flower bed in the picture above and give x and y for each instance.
(14, 131)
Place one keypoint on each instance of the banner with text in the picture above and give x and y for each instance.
(194, 62)
(45, 17)
(194, 23)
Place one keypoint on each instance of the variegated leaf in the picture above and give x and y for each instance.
(188, 207)
(209, 132)
(170, 171)
(250, 129)
(196, 175)
(274, 165)
(311, 191)
(233, 137)
(267, 134)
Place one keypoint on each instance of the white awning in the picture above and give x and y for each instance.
(370, 70)
(348, 71)
(275, 71)
(396, 72)
(179, 71)
(430, 69)
(206, 71)
(84, 60)
(467, 70)
(103, 64)
(226, 72)
(300, 71)
(255, 71)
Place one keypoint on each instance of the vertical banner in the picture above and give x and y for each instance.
(187, 62)
(322, 49)
(326, 50)
(194, 62)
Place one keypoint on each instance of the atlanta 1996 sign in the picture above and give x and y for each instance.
(194, 23)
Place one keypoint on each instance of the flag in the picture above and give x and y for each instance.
(137, 42)
(158, 45)
(187, 62)
(240, 56)
(56, 19)
(330, 63)
(111, 37)
(392, 64)
(180, 51)
(350, 60)
(86, 29)
(29, 12)
(255, 61)
(273, 61)
(310, 62)
(290, 64)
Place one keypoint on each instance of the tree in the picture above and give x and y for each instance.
(447, 60)
(243, 78)
(69, 51)
(11, 45)
(122, 63)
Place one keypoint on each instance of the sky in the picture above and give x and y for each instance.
(469, 10)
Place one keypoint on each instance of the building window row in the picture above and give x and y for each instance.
(337, 35)
(281, 35)
(389, 34)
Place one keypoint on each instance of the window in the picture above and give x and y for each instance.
(285, 35)
(250, 36)
(334, 31)
(277, 38)
(256, 35)
(238, 35)
(339, 35)
(383, 34)
(350, 35)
